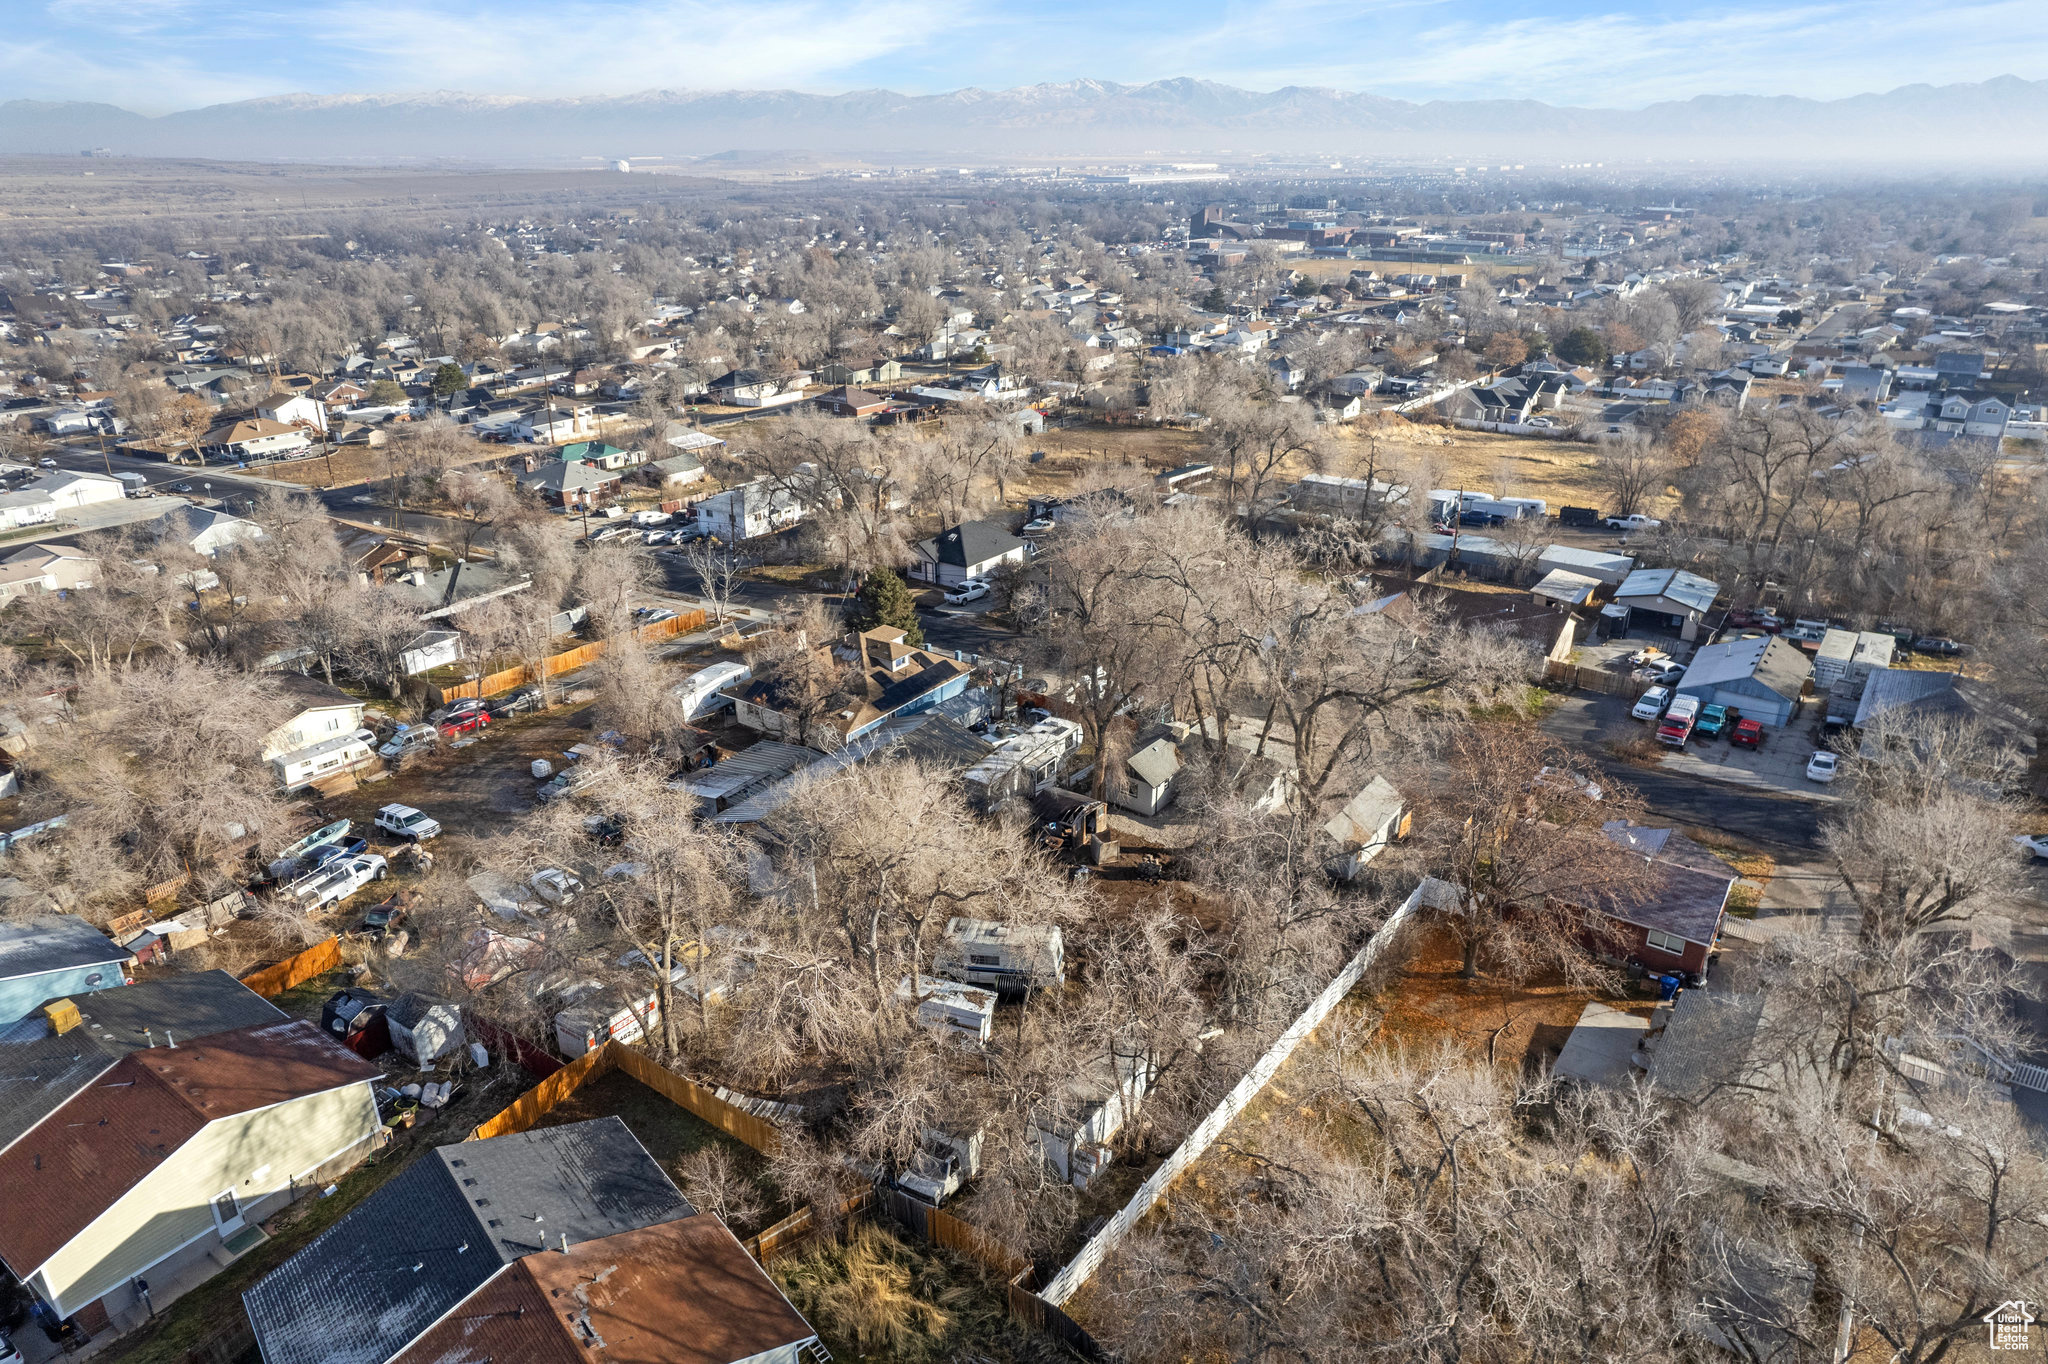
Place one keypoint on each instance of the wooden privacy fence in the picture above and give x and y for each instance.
(1594, 679)
(735, 1122)
(1078, 1270)
(797, 1230)
(530, 1107)
(316, 960)
(570, 660)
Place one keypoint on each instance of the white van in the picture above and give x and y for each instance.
(700, 692)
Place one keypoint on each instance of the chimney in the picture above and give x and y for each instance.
(565, 1243)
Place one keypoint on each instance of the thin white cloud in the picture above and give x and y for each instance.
(587, 48)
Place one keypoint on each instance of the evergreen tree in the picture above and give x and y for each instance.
(885, 600)
(1217, 301)
(1582, 346)
(449, 380)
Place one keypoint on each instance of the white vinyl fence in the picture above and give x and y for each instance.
(1068, 1281)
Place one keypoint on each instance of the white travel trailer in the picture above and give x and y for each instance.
(1001, 957)
(702, 693)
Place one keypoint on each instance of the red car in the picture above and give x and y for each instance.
(1748, 733)
(464, 724)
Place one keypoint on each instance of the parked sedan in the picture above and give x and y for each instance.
(1823, 766)
(1941, 648)
(2034, 845)
(555, 886)
(327, 852)
(1039, 525)
(384, 917)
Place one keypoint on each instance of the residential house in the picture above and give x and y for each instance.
(254, 438)
(461, 1224)
(847, 401)
(894, 678)
(1007, 958)
(205, 531)
(53, 1053)
(685, 464)
(1865, 384)
(1367, 826)
(752, 388)
(336, 394)
(372, 557)
(1666, 599)
(881, 372)
(1729, 389)
(21, 509)
(294, 409)
(45, 568)
(969, 550)
(1671, 926)
(52, 955)
(323, 738)
(572, 484)
(1894, 694)
(429, 650)
(751, 509)
(70, 491)
(601, 454)
(1150, 774)
(162, 1169)
(1763, 677)
(685, 1292)
(452, 590)
(1970, 414)
(554, 424)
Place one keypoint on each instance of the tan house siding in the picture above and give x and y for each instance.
(258, 1154)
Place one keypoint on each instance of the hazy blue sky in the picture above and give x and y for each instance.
(157, 55)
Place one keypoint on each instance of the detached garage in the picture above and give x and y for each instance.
(1761, 677)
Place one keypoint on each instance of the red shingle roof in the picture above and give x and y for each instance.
(85, 1157)
(681, 1292)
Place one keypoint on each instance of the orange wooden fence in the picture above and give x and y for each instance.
(316, 960)
(569, 660)
(530, 1107)
(685, 1093)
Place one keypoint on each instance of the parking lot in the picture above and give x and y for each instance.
(1778, 766)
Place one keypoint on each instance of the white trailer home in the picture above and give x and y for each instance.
(1001, 957)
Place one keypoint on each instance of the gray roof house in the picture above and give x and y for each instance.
(965, 551)
(1762, 677)
(41, 1069)
(381, 1276)
(54, 955)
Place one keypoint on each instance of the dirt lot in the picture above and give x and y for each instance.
(475, 790)
(1559, 471)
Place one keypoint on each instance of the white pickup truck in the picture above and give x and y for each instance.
(1632, 522)
(336, 881)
